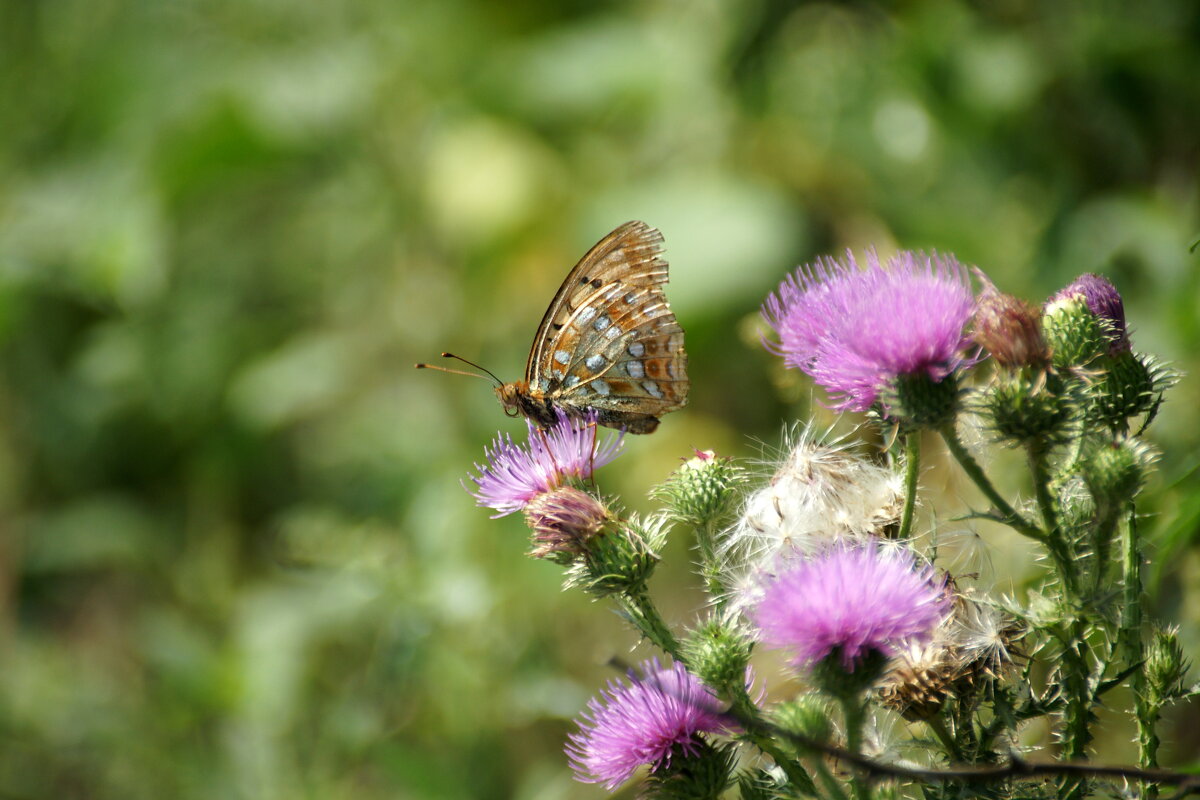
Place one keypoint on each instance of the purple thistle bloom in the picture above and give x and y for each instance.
(1104, 301)
(515, 474)
(854, 599)
(641, 722)
(854, 331)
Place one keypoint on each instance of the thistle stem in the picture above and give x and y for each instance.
(912, 469)
(1106, 531)
(706, 542)
(938, 726)
(1133, 650)
(1077, 682)
(855, 717)
(976, 474)
(1041, 488)
(641, 612)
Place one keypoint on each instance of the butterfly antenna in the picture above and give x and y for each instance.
(489, 376)
(476, 366)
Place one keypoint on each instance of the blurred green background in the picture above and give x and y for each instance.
(235, 558)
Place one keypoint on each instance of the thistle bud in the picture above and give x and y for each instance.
(703, 489)
(807, 715)
(563, 521)
(1104, 301)
(1127, 387)
(1116, 470)
(1085, 320)
(1075, 335)
(1010, 329)
(622, 560)
(1025, 407)
(1166, 668)
(717, 653)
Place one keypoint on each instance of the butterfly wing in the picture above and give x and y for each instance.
(609, 340)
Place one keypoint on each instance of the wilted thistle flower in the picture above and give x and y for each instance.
(1008, 328)
(972, 644)
(855, 601)
(920, 679)
(563, 520)
(822, 492)
(858, 332)
(645, 720)
(514, 474)
(983, 635)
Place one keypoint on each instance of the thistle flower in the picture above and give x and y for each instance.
(857, 331)
(858, 601)
(514, 474)
(644, 720)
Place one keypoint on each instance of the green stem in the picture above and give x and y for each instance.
(1106, 531)
(1041, 488)
(976, 474)
(912, 469)
(938, 726)
(642, 613)
(1077, 681)
(855, 717)
(706, 543)
(1133, 650)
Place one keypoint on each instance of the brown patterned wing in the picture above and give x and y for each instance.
(609, 340)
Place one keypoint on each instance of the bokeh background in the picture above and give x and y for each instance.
(235, 557)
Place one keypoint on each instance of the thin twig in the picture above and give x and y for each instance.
(1016, 769)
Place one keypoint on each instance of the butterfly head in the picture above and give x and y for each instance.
(517, 399)
(510, 396)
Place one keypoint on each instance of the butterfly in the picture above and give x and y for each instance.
(608, 343)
